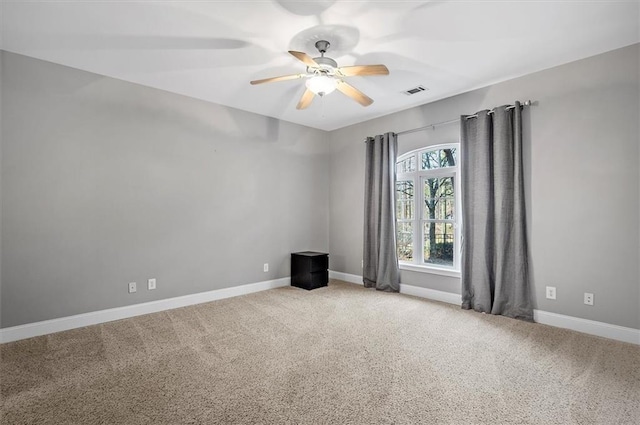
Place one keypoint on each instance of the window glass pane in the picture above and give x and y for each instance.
(404, 200)
(438, 243)
(439, 158)
(407, 165)
(405, 241)
(429, 160)
(439, 198)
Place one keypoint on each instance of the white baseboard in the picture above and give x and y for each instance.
(417, 291)
(432, 294)
(93, 318)
(605, 330)
(591, 327)
(352, 278)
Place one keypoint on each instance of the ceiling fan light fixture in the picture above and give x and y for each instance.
(321, 84)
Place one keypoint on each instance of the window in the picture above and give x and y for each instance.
(427, 207)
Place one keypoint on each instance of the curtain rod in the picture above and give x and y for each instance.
(434, 125)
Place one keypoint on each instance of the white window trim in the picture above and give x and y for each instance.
(429, 269)
(418, 177)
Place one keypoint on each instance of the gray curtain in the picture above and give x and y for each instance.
(495, 266)
(380, 257)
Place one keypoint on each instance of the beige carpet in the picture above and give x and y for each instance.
(336, 355)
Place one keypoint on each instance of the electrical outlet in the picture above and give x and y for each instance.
(588, 298)
(551, 292)
(362, 264)
(132, 287)
(266, 267)
(151, 284)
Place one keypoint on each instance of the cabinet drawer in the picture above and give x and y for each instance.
(319, 263)
(319, 279)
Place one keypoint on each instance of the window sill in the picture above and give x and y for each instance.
(430, 269)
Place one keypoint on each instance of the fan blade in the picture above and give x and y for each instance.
(363, 70)
(354, 93)
(308, 60)
(281, 78)
(305, 100)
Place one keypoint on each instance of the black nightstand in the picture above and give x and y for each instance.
(309, 270)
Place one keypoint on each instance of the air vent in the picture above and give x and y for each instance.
(415, 90)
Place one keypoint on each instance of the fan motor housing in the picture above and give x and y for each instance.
(326, 62)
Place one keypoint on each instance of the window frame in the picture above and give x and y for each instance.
(418, 177)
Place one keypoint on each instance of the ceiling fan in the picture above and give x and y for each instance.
(324, 76)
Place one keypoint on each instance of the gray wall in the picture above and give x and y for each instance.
(582, 169)
(106, 182)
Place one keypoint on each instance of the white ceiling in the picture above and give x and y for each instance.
(211, 49)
